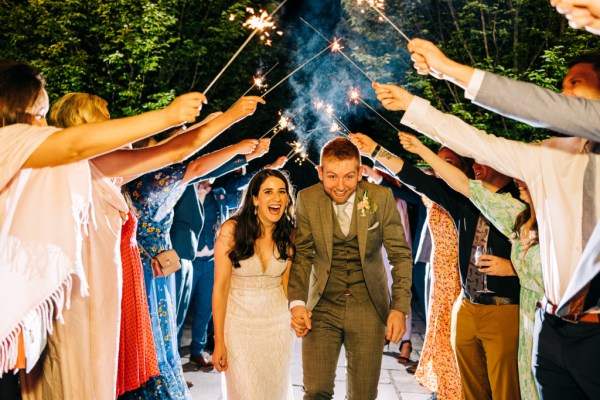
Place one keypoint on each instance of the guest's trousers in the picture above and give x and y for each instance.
(566, 358)
(201, 302)
(486, 340)
(359, 328)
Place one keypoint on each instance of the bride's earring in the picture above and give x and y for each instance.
(255, 210)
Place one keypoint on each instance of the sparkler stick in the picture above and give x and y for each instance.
(294, 71)
(374, 7)
(279, 123)
(254, 32)
(339, 49)
(356, 96)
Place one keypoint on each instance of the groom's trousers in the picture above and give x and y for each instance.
(357, 326)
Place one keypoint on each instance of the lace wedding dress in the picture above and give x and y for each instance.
(258, 336)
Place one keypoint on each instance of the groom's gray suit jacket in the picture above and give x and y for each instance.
(314, 247)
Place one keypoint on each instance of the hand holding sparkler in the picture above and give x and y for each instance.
(184, 108)
(261, 149)
(392, 97)
(429, 59)
(246, 106)
(278, 163)
(365, 144)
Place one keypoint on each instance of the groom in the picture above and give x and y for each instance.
(338, 287)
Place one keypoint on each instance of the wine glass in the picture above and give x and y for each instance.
(479, 251)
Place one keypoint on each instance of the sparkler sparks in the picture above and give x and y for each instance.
(260, 22)
(377, 6)
(354, 95)
(254, 32)
(337, 47)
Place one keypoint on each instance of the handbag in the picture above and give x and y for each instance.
(165, 263)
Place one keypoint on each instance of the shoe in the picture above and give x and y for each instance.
(402, 359)
(205, 365)
(412, 367)
(189, 384)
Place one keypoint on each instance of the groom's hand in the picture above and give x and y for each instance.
(396, 326)
(301, 321)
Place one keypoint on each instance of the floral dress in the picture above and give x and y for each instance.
(153, 197)
(438, 369)
(502, 210)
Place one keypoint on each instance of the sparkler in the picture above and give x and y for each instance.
(257, 28)
(337, 47)
(374, 5)
(296, 70)
(297, 147)
(259, 80)
(284, 122)
(355, 96)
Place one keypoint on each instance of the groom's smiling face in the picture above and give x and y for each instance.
(340, 177)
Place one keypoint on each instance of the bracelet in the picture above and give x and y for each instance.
(374, 153)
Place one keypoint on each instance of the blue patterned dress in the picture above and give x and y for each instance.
(153, 196)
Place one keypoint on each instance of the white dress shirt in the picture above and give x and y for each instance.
(554, 178)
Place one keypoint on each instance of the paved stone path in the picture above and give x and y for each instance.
(394, 382)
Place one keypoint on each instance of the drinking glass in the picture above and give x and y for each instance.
(479, 251)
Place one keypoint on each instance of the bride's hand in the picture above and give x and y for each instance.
(219, 357)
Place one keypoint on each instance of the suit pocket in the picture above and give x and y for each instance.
(375, 225)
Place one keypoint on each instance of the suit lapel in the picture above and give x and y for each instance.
(326, 218)
(361, 224)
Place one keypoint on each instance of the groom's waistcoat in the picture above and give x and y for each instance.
(346, 269)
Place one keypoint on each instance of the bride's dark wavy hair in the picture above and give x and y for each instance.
(248, 227)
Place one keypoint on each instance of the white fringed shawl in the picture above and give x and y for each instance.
(42, 216)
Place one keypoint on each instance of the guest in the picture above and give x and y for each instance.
(517, 221)
(253, 252)
(55, 246)
(98, 317)
(485, 328)
(561, 170)
(438, 369)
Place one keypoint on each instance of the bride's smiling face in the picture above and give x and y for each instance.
(272, 201)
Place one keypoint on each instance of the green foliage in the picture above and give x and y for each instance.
(521, 39)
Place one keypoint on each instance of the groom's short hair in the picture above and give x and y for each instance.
(340, 148)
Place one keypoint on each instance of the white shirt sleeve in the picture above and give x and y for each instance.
(474, 84)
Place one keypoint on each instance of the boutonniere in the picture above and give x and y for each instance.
(366, 205)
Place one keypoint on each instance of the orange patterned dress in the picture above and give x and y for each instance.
(137, 355)
(438, 369)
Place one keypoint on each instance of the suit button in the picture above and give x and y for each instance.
(320, 293)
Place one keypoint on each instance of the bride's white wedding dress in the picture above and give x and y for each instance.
(257, 333)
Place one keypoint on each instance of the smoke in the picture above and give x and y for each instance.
(330, 78)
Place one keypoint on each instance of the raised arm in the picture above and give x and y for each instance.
(207, 163)
(86, 141)
(448, 172)
(369, 148)
(522, 101)
(223, 268)
(127, 162)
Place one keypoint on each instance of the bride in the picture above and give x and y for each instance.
(253, 251)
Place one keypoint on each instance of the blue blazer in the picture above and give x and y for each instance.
(188, 218)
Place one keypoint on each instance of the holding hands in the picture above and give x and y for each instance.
(301, 321)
